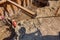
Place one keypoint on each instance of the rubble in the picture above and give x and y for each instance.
(45, 26)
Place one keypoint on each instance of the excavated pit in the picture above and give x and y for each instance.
(45, 26)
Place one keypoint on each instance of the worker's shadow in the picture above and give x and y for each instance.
(31, 36)
(35, 35)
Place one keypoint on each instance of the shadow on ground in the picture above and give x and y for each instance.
(36, 35)
(40, 3)
(32, 36)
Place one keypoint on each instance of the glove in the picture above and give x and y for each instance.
(14, 23)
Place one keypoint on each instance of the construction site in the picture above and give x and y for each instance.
(29, 19)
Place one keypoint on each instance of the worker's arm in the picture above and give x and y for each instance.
(2, 1)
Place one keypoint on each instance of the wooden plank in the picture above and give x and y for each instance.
(19, 2)
(28, 2)
(24, 3)
(9, 10)
(14, 8)
(31, 13)
(1, 11)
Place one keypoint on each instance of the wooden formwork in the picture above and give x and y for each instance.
(8, 10)
(39, 22)
(12, 9)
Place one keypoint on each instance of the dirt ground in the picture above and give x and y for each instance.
(45, 26)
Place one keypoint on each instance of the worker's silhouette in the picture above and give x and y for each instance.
(23, 35)
(12, 35)
(59, 34)
(22, 32)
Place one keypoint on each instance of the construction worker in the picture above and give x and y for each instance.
(14, 23)
(11, 29)
(12, 26)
